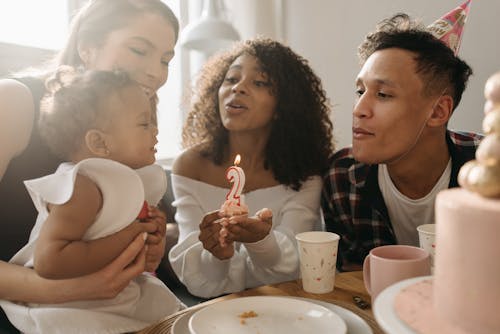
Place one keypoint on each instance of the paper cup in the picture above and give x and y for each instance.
(427, 240)
(318, 258)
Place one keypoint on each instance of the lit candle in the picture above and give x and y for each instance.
(236, 176)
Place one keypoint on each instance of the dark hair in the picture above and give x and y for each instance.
(300, 141)
(98, 18)
(76, 103)
(437, 65)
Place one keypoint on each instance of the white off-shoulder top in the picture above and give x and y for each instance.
(273, 259)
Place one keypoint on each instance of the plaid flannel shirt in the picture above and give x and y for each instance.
(353, 205)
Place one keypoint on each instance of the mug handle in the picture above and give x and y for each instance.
(366, 274)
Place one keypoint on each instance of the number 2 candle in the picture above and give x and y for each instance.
(236, 176)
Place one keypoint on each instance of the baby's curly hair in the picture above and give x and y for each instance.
(437, 65)
(301, 140)
(74, 104)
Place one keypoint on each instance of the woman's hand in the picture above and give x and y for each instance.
(105, 283)
(248, 229)
(210, 229)
(156, 240)
(112, 279)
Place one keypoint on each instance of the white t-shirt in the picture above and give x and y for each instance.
(406, 213)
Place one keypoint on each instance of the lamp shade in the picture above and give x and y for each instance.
(210, 33)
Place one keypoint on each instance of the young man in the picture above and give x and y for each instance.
(402, 154)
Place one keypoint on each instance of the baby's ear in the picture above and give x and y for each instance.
(95, 141)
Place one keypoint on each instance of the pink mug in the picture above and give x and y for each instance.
(386, 265)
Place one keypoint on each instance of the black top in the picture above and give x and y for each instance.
(17, 212)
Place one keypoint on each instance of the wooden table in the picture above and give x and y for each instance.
(347, 285)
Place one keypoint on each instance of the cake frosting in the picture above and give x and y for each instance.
(232, 208)
(467, 272)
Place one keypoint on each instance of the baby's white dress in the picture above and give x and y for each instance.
(145, 300)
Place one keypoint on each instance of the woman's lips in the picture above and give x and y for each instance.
(235, 108)
(360, 133)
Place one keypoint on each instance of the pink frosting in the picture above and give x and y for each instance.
(231, 208)
(466, 290)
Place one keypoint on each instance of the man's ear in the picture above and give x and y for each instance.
(442, 111)
(95, 141)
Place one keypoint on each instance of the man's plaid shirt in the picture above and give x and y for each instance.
(353, 205)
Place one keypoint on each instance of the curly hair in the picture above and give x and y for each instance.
(75, 104)
(437, 65)
(300, 141)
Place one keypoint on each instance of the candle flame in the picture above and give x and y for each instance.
(237, 159)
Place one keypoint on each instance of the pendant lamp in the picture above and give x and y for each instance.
(210, 33)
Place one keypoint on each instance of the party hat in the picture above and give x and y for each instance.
(449, 28)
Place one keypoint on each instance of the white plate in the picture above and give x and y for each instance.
(276, 315)
(383, 307)
(355, 324)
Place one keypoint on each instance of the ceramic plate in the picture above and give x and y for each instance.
(355, 324)
(277, 315)
(383, 307)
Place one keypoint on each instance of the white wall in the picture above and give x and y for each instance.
(327, 32)
(258, 17)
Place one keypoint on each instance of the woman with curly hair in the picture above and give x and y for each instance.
(263, 101)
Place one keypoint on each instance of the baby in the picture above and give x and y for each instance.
(102, 124)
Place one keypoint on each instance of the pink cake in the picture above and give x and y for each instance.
(467, 271)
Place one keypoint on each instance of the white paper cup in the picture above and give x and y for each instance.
(427, 240)
(318, 257)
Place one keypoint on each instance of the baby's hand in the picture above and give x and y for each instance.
(158, 217)
(156, 240)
